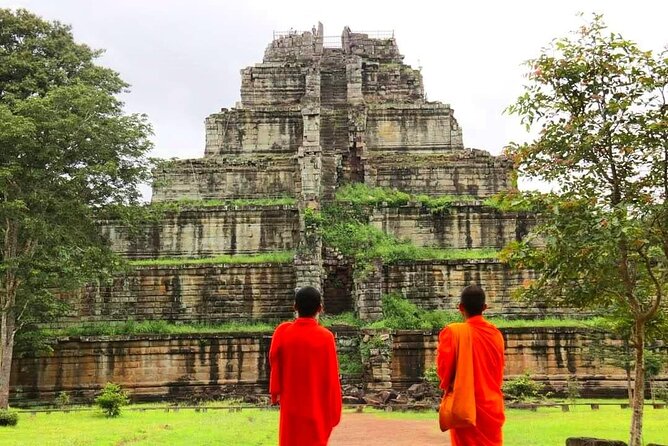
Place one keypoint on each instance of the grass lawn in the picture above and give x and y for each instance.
(254, 427)
(551, 426)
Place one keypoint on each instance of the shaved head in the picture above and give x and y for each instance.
(473, 300)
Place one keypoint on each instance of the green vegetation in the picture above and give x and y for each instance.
(266, 257)
(112, 399)
(524, 389)
(400, 313)
(605, 235)
(346, 319)
(158, 327)
(62, 400)
(346, 229)
(253, 427)
(550, 426)
(431, 376)
(8, 417)
(363, 195)
(595, 322)
(69, 151)
(350, 364)
(512, 201)
(150, 428)
(178, 205)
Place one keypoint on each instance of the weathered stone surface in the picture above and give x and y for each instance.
(226, 178)
(245, 131)
(421, 128)
(209, 365)
(462, 226)
(437, 284)
(210, 231)
(463, 172)
(583, 441)
(197, 293)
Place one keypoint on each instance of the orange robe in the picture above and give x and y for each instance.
(304, 380)
(487, 373)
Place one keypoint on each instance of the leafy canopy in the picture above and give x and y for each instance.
(599, 102)
(67, 152)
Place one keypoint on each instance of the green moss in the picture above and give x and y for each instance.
(268, 257)
(350, 364)
(158, 327)
(347, 319)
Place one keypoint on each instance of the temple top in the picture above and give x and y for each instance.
(311, 45)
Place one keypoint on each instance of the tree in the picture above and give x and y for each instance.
(68, 154)
(600, 104)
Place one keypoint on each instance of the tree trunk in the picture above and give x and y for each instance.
(6, 354)
(629, 387)
(639, 391)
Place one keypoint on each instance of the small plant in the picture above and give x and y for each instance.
(661, 393)
(523, 389)
(572, 389)
(62, 400)
(112, 399)
(8, 417)
(350, 364)
(376, 345)
(431, 377)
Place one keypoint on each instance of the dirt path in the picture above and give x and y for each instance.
(369, 430)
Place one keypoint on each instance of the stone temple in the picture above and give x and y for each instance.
(313, 117)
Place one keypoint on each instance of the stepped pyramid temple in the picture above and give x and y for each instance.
(317, 116)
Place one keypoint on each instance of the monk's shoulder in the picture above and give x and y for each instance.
(451, 330)
(325, 332)
(282, 327)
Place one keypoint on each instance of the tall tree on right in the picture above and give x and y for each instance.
(599, 105)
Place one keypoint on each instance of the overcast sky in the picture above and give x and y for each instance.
(183, 58)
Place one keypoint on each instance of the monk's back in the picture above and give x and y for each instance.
(306, 356)
(488, 363)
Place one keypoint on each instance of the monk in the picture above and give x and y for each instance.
(470, 357)
(304, 377)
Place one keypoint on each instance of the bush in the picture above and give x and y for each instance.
(431, 377)
(350, 364)
(62, 400)
(400, 313)
(112, 399)
(8, 417)
(523, 388)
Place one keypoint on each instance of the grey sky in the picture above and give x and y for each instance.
(183, 57)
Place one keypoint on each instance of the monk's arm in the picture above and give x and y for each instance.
(445, 358)
(334, 384)
(275, 366)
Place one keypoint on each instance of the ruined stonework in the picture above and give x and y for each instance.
(193, 367)
(313, 117)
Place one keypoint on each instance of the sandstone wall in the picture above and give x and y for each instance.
(192, 293)
(391, 82)
(155, 367)
(462, 172)
(225, 178)
(416, 127)
(243, 131)
(461, 226)
(150, 367)
(272, 83)
(210, 231)
(550, 355)
(437, 285)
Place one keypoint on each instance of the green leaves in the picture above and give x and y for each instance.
(599, 103)
(68, 152)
